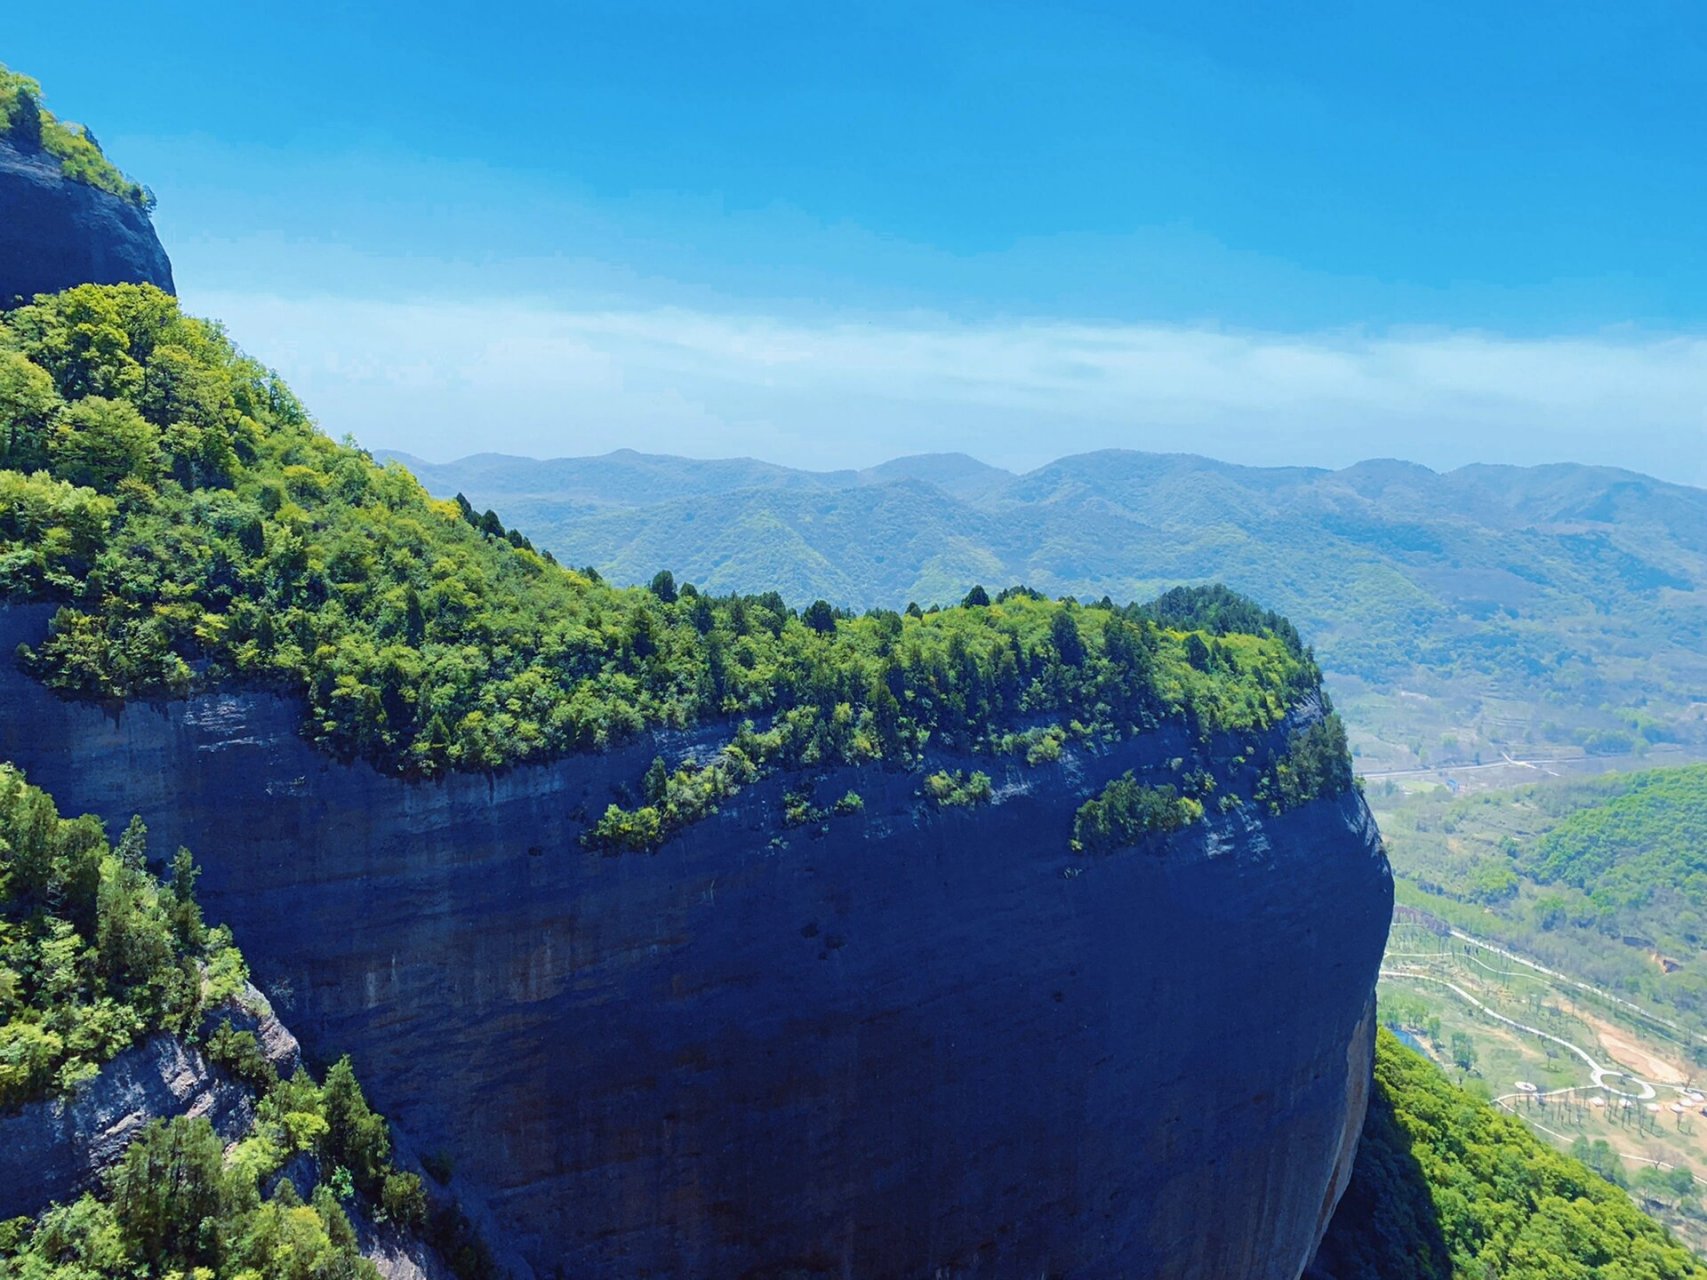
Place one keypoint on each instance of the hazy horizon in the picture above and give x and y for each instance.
(824, 238)
(407, 455)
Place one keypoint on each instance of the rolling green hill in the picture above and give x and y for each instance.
(1534, 610)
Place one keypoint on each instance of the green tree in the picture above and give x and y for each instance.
(28, 405)
(167, 1194)
(1064, 635)
(23, 124)
(663, 586)
(820, 616)
(99, 442)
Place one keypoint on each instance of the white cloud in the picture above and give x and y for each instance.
(442, 379)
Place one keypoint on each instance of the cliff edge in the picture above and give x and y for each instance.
(57, 232)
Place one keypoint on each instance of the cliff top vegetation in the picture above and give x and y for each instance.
(29, 126)
(178, 501)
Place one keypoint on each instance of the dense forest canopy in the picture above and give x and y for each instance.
(197, 527)
(31, 127)
(1446, 1187)
(1650, 832)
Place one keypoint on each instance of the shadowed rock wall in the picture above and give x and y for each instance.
(56, 233)
(912, 1046)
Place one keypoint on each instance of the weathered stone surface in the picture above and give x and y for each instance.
(251, 1011)
(55, 1150)
(398, 1255)
(913, 1045)
(56, 233)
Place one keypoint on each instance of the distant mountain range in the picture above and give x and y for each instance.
(1479, 610)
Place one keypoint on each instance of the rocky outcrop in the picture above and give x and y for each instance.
(901, 1043)
(53, 1151)
(56, 232)
(251, 1011)
(57, 1149)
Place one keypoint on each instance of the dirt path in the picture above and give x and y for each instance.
(1644, 1062)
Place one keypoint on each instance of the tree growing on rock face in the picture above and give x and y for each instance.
(167, 1193)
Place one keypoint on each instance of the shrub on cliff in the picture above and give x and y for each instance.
(1126, 811)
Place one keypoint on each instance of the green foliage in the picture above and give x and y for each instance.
(1652, 833)
(240, 1054)
(403, 1200)
(1126, 811)
(200, 529)
(957, 789)
(29, 126)
(1315, 763)
(356, 1136)
(94, 952)
(175, 1207)
(1445, 1187)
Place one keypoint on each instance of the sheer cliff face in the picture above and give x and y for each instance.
(920, 1043)
(56, 233)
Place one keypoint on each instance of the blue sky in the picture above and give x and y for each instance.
(828, 234)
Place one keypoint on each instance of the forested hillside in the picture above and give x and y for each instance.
(1605, 878)
(1533, 609)
(199, 529)
(1447, 1188)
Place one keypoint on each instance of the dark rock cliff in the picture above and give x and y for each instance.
(56, 233)
(917, 1044)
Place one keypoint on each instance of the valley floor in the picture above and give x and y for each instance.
(1619, 1086)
